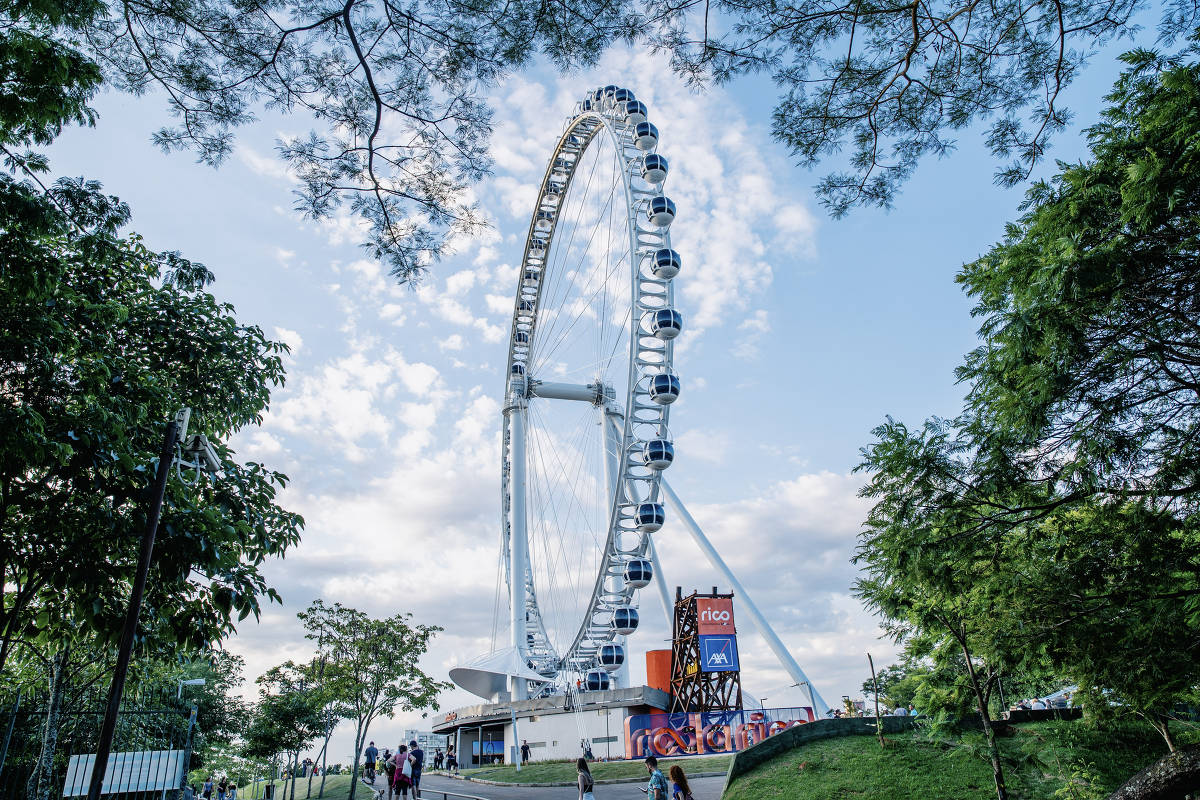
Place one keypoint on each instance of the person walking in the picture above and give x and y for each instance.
(222, 787)
(208, 789)
(451, 759)
(389, 769)
(679, 784)
(403, 771)
(585, 781)
(370, 755)
(524, 751)
(417, 756)
(656, 787)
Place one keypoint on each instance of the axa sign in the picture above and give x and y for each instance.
(715, 616)
(718, 653)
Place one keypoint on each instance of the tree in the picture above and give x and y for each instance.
(371, 665)
(929, 585)
(318, 624)
(102, 342)
(1059, 511)
(898, 683)
(287, 718)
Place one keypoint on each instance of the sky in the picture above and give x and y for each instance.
(801, 334)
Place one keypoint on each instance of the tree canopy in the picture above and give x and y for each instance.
(1058, 514)
(102, 342)
(396, 92)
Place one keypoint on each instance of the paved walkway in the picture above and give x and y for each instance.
(702, 789)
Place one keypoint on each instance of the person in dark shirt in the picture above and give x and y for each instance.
(417, 756)
(370, 755)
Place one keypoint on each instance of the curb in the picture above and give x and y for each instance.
(486, 782)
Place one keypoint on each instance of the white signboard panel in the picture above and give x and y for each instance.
(143, 771)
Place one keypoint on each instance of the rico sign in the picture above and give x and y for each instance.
(715, 615)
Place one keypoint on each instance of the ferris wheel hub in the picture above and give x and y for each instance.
(597, 393)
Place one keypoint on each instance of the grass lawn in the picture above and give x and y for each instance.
(337, 787)
(564, 771)
(1040, 760)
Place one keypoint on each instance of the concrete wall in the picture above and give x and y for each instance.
(791, 738)
(556, 736)
(1040, 715)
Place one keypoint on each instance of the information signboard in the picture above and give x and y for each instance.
(718, 654)
(127, 773)
(714, 616)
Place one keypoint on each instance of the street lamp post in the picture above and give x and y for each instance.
(117, 689)
(175, 434)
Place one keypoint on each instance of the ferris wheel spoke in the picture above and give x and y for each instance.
(558, 276)
(561, 301)
(584, 305)
(555, 517)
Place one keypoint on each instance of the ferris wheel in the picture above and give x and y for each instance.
(590, 384)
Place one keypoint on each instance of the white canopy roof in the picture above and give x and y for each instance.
(488, 675)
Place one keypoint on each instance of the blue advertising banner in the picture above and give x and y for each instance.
(718, 654)
(490, 748)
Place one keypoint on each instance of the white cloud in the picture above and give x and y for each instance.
(264, 166)
(291, 338)
(711, 447)
(750, 333)
(284, 257)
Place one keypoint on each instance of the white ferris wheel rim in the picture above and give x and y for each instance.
(597, 120)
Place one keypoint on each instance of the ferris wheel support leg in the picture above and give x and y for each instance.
(760, 622)
(518, 543)
(664, 594)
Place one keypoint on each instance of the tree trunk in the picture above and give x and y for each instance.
(1162, 724)
(295, 772)
(986, 719)
(324, 764)
(1171, 777)
(322, 757)
(42, 785)
(354, 776)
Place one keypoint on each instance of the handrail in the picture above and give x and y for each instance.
(432, 794)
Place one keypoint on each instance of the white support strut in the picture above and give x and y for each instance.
(760, 622)
(660, 580)
(518, 540)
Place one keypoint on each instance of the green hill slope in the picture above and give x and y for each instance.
(1043, 761)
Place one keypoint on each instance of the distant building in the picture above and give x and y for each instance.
(428, 741)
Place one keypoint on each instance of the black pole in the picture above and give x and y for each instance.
(12, 719)
(115, 692)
